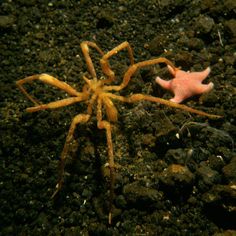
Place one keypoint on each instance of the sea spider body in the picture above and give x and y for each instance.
(98, 94)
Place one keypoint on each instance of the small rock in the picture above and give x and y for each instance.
(40, 35)
(204, 24)
(195, 43)
(220, 201)
(230, 170)
(120, 201)
(230, 5)
(177, 174)
(184, 59)
(216, 162)
(158, 45)
(105, 20)
(176, 182)
(86, 193)
(207, 175)
(178, 156)
(231, 27)
(224, 194)
(135, 193)
(148, 140)
(6, 21)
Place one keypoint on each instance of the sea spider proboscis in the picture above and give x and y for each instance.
(97, 93)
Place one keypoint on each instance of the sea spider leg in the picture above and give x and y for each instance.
(133, 68)
(105, 64)
(139, 97)
(85, 49)
(81, 118)
(102, 124)
(47, 79)
(56, 104)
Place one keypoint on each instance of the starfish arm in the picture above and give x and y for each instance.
(177, 99)
(183, 93)
(163, 83)
(204, 88)
(200, 76)
(172, 70)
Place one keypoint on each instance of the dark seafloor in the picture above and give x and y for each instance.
(176, 171)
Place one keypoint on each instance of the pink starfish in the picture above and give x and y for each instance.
(185, 84)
